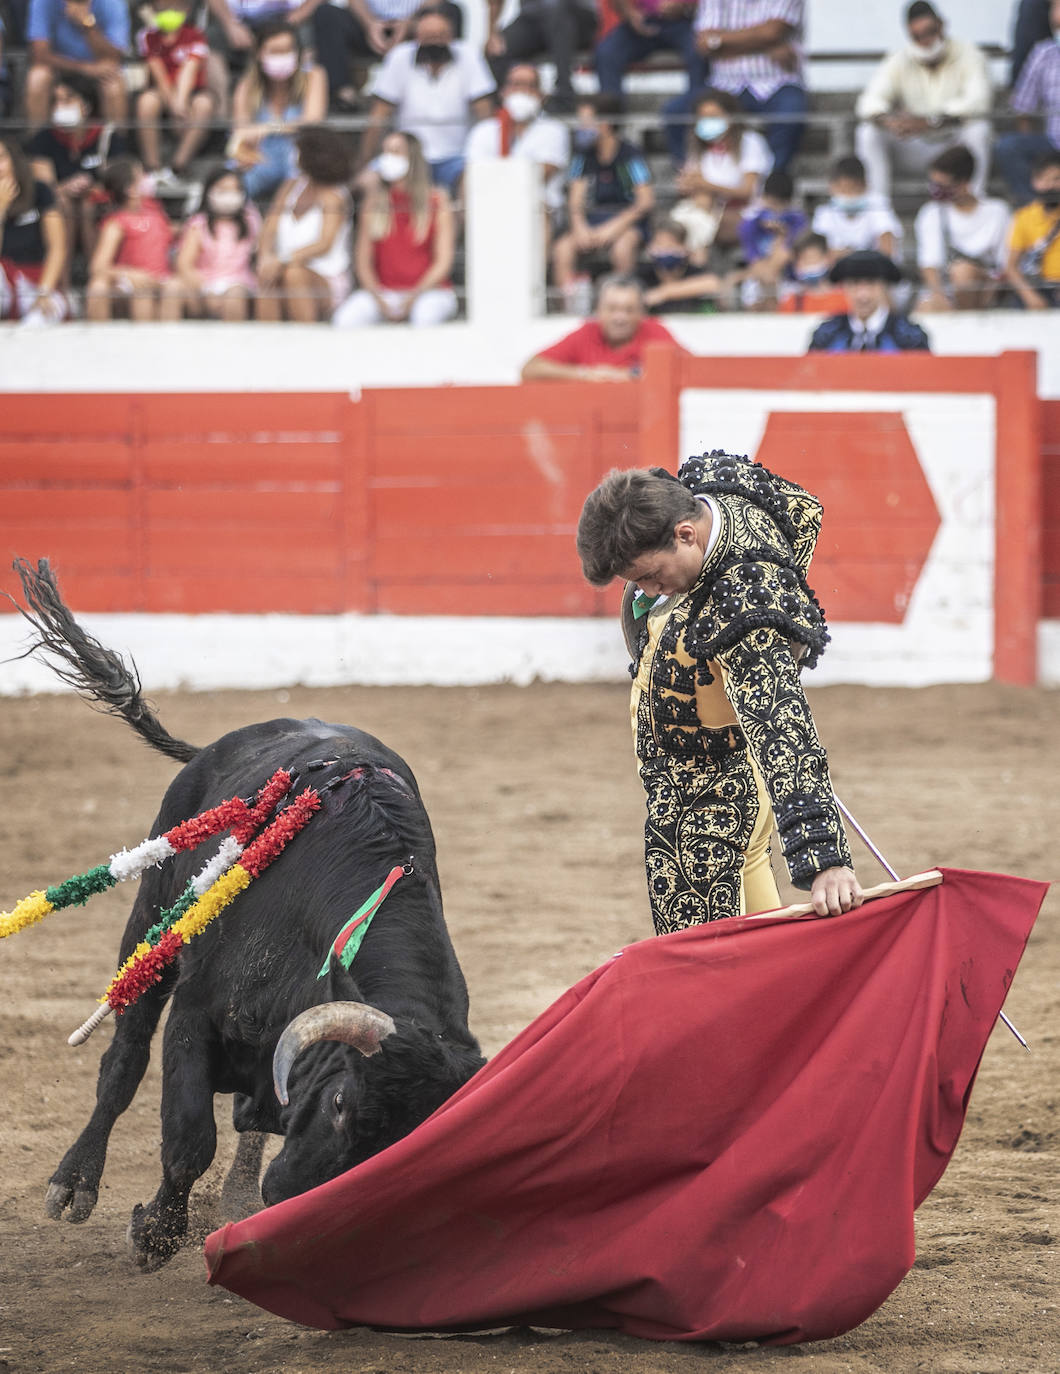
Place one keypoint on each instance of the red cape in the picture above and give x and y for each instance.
(720, 1134)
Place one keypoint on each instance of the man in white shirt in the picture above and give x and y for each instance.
(519, 129)
(930, 94)
(437, 88)
(961, 241)
(352, 35)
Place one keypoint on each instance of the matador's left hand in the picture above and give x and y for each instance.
(834, 891)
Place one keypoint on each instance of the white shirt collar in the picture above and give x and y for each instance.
(873, 324)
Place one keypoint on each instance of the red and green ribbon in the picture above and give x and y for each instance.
(348, 941)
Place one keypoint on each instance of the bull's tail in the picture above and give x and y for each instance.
(98, 674)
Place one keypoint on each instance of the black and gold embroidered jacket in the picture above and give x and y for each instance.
(724, 670)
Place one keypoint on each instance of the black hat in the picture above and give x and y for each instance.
(865, 265)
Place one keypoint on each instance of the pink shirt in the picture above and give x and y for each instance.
(223, 255)
(145, 237)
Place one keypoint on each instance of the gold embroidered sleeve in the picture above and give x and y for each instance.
(763, 684)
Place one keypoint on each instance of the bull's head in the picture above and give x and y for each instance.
(321, 1134)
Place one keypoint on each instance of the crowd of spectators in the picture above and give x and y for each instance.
(304, 160)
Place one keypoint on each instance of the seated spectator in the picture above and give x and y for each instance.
(930, 94)
(304, 254)
(279, 92)
(754, 48)
(1038, 92)
(768, 231)
(869, 325)
(1033, 267)
(806, 289)
(176, 55)
(609, 200)
(5, 75)
(670, 280)
(351, 35)
(433, 87)
(853, 218)
(961, 240)
(213, 276)
(519, 129)
(32, 243)
(131, 263)
(609, 348)
(89, 37)
(1032, 26)
(70, 155)
(725, 170)
(237, 25)
(556, 29)
(645, 27)
(403, 254)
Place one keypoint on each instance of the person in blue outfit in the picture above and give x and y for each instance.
(871, 325)
(89, 37)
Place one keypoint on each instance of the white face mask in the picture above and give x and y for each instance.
(66, 116)
(146, 184)
(522, 106)
(226, 202)
(930, 54)
(280, 66)
(392, 166)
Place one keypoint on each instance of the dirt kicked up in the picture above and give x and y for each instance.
(538, 813)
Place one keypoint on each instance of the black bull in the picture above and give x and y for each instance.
(248, 982)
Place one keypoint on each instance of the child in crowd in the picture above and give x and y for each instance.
(70, 155)
(279, 92)
(768, 230)
(213, 273)
(670, 279)
(176, 55)
(304, 258)
(131, 261)
(405, 243)
(1033, 267)
(853, 219)
(724, 173)
(32, 243)
(807, 290)
(960, 239)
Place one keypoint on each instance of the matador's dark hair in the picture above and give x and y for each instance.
(630, 513)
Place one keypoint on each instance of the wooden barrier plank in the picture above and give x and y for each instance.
(52, 462)
(268, 592)
(233, 514)
(238, 465)
(497, 597)
(504, 555)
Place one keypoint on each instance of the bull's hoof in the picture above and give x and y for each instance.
(61, 1196)
(149, 1244)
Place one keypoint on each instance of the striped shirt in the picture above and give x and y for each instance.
(755, 72)
(1038, 90)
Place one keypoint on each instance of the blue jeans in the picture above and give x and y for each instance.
(624, 45)
(447, 172)
(280, 163)
(783, 138)
(1015, 156)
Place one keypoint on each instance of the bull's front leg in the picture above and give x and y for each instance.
(189, 1139)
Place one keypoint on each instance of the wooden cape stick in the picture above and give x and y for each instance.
(931, 878)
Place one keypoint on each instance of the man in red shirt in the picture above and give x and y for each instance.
(609, 348)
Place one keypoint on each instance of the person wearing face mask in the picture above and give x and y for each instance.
(70, 155)
(931, 93)
(853, 217)
(723, 174)
(212, 273)
(131, 261)
(1037, 93)
(961, 240)
(436, 87)
(1033, 265)
(176, 55)
(32, 243)
(671, 282)
(519, 129)
(279, 93)
(869, 324)
(806, 289)
(556, 30)
(403, 255)
(89, 38)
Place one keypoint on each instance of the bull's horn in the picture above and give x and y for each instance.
(354, 1023)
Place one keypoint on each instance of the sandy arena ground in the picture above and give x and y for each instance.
(538, 814)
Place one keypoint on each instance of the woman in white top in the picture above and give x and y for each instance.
(960, 239)
(726, 167)
(304, 257)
